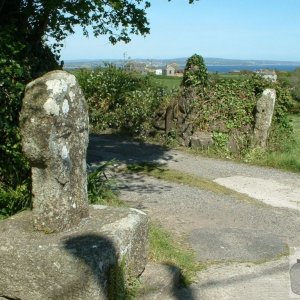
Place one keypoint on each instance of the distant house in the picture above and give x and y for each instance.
(268, 74)
(170, 70)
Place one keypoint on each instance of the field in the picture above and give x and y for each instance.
(167, 81)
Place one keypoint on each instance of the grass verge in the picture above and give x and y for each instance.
(288, 159)
(164, 249)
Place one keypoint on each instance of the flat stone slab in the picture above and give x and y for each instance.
(269, 191)
(231, 244)
(76, 264)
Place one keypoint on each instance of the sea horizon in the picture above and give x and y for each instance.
(213, 65)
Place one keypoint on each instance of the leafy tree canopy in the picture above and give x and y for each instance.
(35, 19)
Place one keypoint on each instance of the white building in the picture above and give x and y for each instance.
(158, 72)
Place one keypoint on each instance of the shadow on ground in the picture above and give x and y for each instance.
(105, 147)
(179, 291)
(233, 280)
(138, 183)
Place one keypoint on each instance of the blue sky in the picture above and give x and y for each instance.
(238, 29)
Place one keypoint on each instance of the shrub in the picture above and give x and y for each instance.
(19, 64)
(195, 73)
(231, 105)
(14, 169)
(121, 100)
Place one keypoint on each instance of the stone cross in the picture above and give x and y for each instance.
(263, 118)
(54, 127)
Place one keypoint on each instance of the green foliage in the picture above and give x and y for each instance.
(101, 186)
(229, 101)
(121, 100)
(228, 108)
(14, 200)
(14, 169)
(221, 141)
(195, 73)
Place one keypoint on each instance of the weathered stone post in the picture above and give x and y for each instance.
(54, 126)
(263, 118)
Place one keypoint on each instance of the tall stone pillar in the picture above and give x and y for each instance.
(263, 118)
(54, 126)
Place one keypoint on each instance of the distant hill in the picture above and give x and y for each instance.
(159, 63)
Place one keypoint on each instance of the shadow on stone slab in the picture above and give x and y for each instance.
(74, 264)
(93, 250)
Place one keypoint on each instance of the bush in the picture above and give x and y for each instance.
(195, 73)
(229, 106)
(14, 169)
(19, 64)
(121, 100)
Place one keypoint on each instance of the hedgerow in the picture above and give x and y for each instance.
(121, 100)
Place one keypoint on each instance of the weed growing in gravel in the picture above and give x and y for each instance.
(101, 187)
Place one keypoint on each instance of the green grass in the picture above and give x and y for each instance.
(164, 249)
(169, 82)
(288, 159)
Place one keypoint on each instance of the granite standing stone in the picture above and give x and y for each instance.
(263, 119)
(54, 127)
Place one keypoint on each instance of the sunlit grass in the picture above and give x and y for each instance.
(170, 82)
(288, 159)
(166, 250)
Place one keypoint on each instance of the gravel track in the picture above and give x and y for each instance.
(218, 227)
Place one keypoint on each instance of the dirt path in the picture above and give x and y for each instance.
(219, 228)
